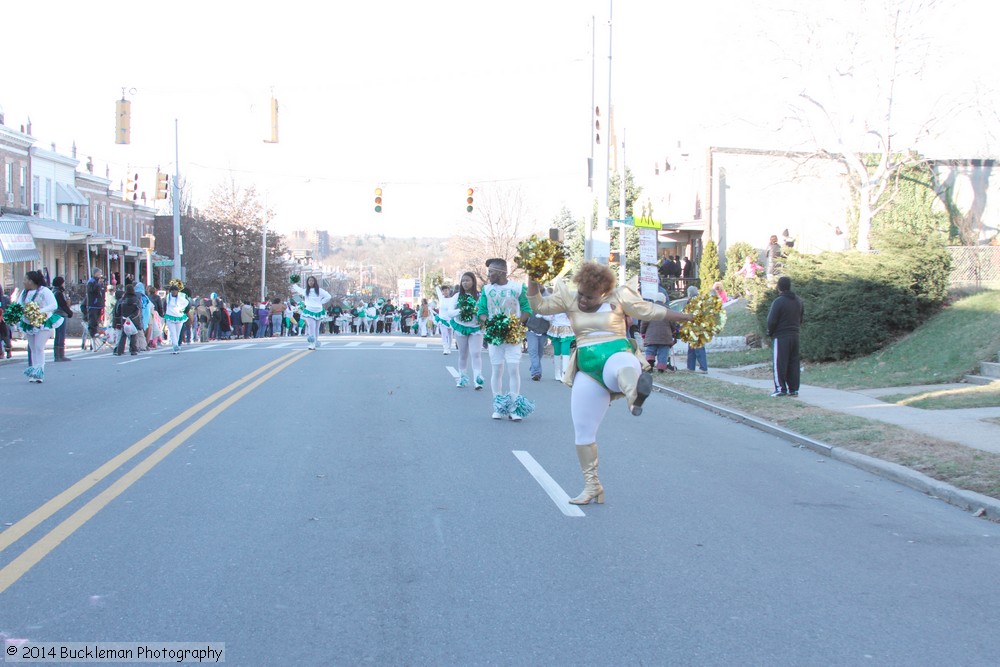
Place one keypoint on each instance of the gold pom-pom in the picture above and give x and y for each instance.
(33, 315)
(176, 282)
(709, 319)
(541, 259)
(515, 332)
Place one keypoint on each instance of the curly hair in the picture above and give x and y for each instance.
(595, 278)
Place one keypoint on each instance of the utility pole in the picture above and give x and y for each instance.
(588, 233)
(177, 271)
(622, 214)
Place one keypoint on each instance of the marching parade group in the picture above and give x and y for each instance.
(587, 322)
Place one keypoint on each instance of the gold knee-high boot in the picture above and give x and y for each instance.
(636, 386)
(588, 464)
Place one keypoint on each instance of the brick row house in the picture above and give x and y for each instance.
(63, 221)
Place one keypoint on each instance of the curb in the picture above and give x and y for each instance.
(980, 505)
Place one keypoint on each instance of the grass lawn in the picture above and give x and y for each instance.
(946, 347)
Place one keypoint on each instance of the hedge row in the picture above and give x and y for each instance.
(855, 302)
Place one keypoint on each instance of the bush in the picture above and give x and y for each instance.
(737, 286)
(855, 302)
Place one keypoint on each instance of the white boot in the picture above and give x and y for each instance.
(558, 368)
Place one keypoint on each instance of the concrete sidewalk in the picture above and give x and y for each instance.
(964, 427)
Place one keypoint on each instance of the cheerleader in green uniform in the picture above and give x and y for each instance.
(37, 332)
(312, 310)
(465, 325)
(175, 314)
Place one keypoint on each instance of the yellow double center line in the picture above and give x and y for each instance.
(37, 551)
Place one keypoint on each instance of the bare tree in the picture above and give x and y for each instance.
(227, 254)
(500, 221)
(850, 74)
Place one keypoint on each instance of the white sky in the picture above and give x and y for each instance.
(427, 98)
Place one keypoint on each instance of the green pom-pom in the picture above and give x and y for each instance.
(12, 314)
(295, 278)
(466, 308)
(496, 329)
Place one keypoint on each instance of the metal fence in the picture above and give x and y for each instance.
(975, 266)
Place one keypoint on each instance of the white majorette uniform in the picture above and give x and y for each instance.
(469, 336)
(511, 299)
(311, 311)
(371, 316)
(445, 304)
(38, 336)
(176, 314)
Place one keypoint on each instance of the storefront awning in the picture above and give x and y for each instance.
(52, 230)
(16, 242)
(68, 194)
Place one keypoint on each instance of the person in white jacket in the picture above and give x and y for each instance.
(36, 292)
(175, 313)
(313, 308)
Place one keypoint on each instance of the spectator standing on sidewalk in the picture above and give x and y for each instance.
(95, 304)
(784, 321)
(696, 355)
(658, 337)
(59, 344)
(4, 329)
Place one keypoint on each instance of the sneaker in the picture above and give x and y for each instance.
(515, 418)
(793, 393)
(479, 382)
(497, 415)
(775, 394)
(462, 381)
(536, 377)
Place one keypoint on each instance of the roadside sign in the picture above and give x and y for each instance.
(639, 223)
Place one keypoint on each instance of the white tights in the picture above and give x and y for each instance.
(446, 334)
(509, 357)
(589, 400)
(36, 343)
(312, 327)
(471, 345)
(174, 328)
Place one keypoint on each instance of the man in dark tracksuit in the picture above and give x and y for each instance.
(783, 323)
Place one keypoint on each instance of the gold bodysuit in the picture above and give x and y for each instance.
(605, 325)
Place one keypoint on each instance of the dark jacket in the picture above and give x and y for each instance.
(657, 332)
(129, 305)
(62, 303)
(785, 316)
(95, 294)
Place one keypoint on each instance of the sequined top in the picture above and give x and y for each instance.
(608, 322)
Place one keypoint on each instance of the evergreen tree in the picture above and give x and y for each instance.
(708, 271)
(632, 192)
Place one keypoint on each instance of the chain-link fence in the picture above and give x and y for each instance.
(975, 266)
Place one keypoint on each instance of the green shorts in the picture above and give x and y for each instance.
(591, 358)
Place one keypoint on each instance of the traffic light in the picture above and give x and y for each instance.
(468, 200)
(378, 200)
(132, 187)
(615, 257)
(274, 121)
(162, 185)
(123, 121)
(597, 125)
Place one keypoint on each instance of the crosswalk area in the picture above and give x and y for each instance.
(325, 343)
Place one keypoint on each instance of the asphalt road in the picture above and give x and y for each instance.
(352, 506)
